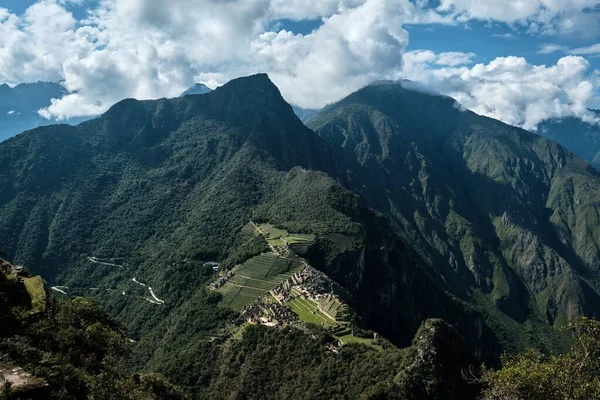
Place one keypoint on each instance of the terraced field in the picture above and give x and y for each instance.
(255, 278)
(308, 311)
(35, 287)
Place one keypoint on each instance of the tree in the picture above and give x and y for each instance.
(534, 376)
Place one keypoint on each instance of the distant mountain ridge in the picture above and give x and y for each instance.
(198, 88)
(19, 106)
(580, 137)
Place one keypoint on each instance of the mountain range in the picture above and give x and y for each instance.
(421, 212)
(582, 138)
(19, 106)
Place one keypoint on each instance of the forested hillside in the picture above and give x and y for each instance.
(507, 218)
(57, 349)
(417, 210)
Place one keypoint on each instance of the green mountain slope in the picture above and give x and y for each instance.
(508, 219)
(127, 208)
(56, 349)
(455, 216)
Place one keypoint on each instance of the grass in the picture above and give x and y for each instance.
(238, 297)
(255, 278)
(351, 339)
(275, 242)
(306, 315)
(35, 288)
(272, 232)
(294, 238)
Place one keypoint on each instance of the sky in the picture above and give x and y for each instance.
(520, 61)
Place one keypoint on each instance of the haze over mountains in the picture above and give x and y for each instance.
(19, 106)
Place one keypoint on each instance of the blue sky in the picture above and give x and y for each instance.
(520, 64)
(19, 6)
(486, 40)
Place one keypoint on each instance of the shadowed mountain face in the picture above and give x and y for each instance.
(507, 218)
(580, 137)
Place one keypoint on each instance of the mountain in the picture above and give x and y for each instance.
(414, 209)
(580, 137)
(143, 196)
(306, 114)
(507, 218)
(56, 349)
(198, 88)
(19, 106)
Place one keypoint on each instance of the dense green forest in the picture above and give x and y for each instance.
(455, 238)
(67, 349)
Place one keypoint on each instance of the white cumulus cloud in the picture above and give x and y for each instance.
(151, 49)
(579, 17)
(511, 89)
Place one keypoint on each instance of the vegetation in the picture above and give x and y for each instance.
(507, 219)
(444, 214)
(533, 376)
(73, 350)
(255, 278)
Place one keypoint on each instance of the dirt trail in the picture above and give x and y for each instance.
(95, 260)
(60, 289)
(156, 299)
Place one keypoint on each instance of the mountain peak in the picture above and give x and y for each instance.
(251, 92)
(259, 82)
(198, 88)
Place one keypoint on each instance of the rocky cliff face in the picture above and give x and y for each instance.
(493, 209)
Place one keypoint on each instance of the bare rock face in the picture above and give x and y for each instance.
(20, 383)
(441, 365)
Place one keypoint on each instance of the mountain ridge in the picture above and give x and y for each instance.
(454, 216)
(451, 147)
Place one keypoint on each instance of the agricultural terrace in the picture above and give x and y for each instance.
(255, 278)
(283, 242)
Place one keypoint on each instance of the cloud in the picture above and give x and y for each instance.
(451, 59)
(550, 48)
(151, 49)
(545, 17)
(593, 49)
(512, 90)
(348, 51)
(505, 35)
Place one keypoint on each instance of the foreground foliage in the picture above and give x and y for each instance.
(74, 349)
(533, 376)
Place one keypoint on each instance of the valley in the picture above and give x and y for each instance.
(236, 245)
